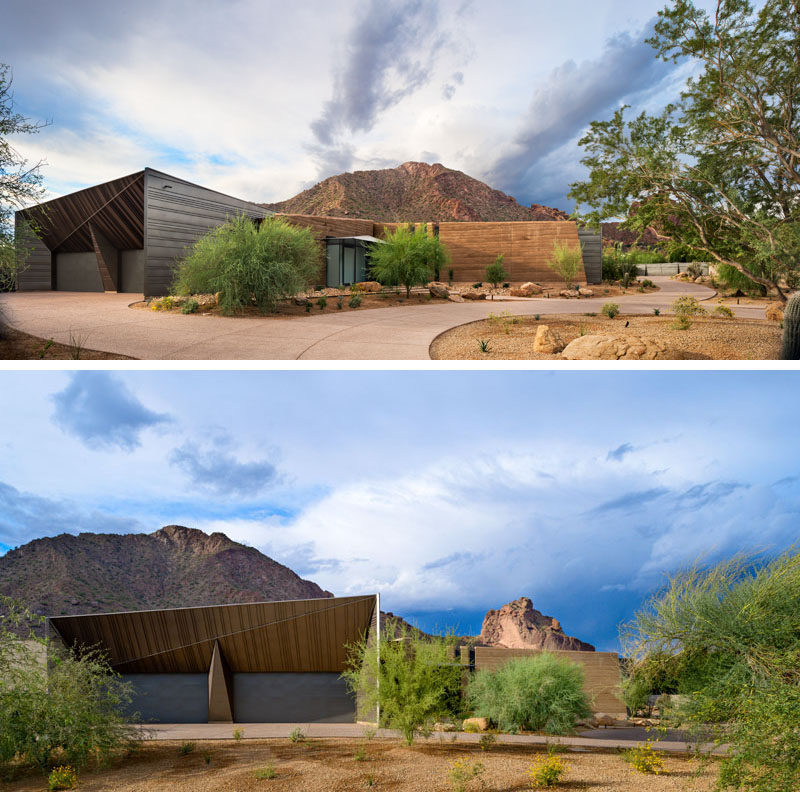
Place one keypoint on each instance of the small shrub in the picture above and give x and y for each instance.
(308, 307)
(644, 759)
(355, 301)
(450, 275)
(266, 773)
(477, 285)
(163, 304)
(369, 733)
(495, 272)
(339, 301)
(62, 777)
(566, 261)
(591, 313)
(322, 302)
(186, 748)
(540, 693)
(45, 347)
(471, 728)
(190, 306)
(610, 310)
(694, 270)
(506, 285)
(297, 735)
(487, 740)
(361, 754)
(546, 770)
(536, 317)
(237, 734)
(461, 772)
(684, 309)
(206, 757)
(724, 310)
(648, 284)
(369, 780)
(484, 345)
(656, 312)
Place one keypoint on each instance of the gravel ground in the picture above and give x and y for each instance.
(330, 766)
(511, 338)
(15, 345)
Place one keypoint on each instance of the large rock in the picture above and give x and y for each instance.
(455, 296)
(614, 347)
(547, 342)
(774, 312)
(570, 293)
(525, 290)
(439, 290)
(478, 724)
(586, 292)
(470, 294)
(518, 625)
(368, 286)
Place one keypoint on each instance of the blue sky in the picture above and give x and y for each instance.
(260, 98)
(448, 492)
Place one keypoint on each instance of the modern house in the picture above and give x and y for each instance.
(127, 235)
(124, 235)
(266, 662)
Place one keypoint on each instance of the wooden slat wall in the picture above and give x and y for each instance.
(592, 244)
(526, 246)
(177, 213)
(37, 274)
(332, 226)
(182, 640)
(602, 681)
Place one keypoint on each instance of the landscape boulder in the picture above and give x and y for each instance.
(613, 347)
(455, 296)
(603, 719)
(525, 290)
(774, 312)
(481, 724)
(547, 342)
(439, 290)
(586, 292)
(473, 295)
(301, 301)
(569, 293)
(368, 286)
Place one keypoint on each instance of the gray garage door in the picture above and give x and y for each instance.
(291, 698)
(170, 698)
(78, 272)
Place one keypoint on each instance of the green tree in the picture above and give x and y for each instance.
(413, 680)
(720, 170)
(249, 263)
(726, 637)
(409, 258)
(57, 705)
(566, 262)
(541, 693)
(495, 272)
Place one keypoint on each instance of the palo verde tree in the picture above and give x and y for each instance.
(20, 182)
(719, 171)
(408, 258)
(727, 637)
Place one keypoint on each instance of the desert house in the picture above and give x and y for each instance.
(266, 662)
(127, 235)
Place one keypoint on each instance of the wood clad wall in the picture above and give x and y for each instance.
(37, 274)
(293, 636)
(332, 226)
(526, 246)
(177, 213)
(603, 675)
(592, 248)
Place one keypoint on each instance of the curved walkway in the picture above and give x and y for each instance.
(104, 322)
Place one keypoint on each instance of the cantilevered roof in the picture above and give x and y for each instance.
(362, 238)
(289, 636)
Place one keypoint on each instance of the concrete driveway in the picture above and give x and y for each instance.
(105, 322)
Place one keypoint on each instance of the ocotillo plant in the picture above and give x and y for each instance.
(790, 349)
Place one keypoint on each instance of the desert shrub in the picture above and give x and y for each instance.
(361, 754)
(462, 772)
(355, 301)
(487, 740)
(733, 279)
(727, 633)
(407, 258)
(190, 306)
(415, 680)
(644, 759)
(249, 264)
(546, 770)
(62, 777)
(471, 728)
(656, 312)
(166, 303)
(484, 345)
(206, 757)
(540, 693)
(186, 748)
(238, 734)
(297, 735)
(724, 310)
(495, 272)
(339, 302)
(266, 773)
(566, 262)
(478, 285)
(648, 284)
(684, 309)
(694, 270)
(635, 691)
(610, 310)
(322, 302)
(70, 709)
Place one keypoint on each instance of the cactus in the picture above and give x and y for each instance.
(790, 349)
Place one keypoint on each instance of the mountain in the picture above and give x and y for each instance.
(518, 625)
(173, 567)
(413, 192)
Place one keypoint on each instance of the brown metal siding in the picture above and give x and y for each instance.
(176, 214)
(37, 273)
(601, 669)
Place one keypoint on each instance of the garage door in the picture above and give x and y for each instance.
(78, 272)
(291, 698)
(170, 698)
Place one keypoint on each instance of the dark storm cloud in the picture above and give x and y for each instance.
(573, 96)
(24, 516)
(216, 469)
(101, 412)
